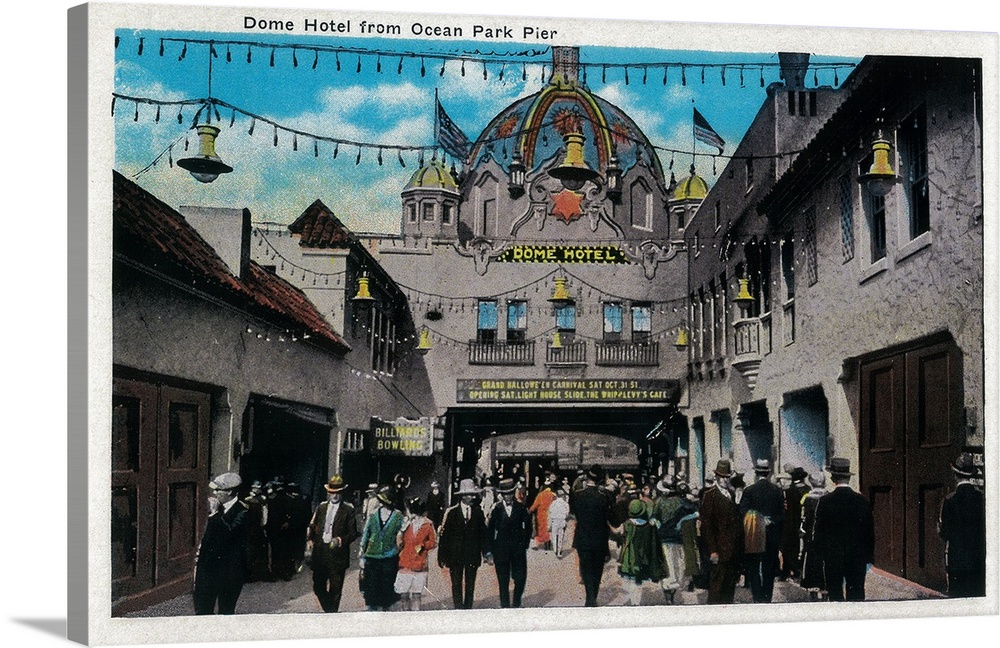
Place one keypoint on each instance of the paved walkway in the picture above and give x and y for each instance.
(551, 583)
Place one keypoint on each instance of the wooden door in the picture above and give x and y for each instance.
(133, 486)
(182, 457)
(883, 457)
(933, 421)
(159, 474)
(911, 417)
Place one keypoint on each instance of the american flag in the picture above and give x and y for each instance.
(705, 133)
(448, 135)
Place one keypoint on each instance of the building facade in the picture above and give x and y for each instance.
(218, 365)
(831, 317)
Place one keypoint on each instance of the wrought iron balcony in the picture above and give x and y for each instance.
(628, 354)
(748, 351)
(570, 353)
(502, 352)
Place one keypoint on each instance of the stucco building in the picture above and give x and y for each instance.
(857, 330)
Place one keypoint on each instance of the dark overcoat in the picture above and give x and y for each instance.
(326, 557)
(461, 543)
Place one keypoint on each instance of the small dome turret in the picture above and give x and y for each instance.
(692, 187)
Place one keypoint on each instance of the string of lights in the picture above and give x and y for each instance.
(213, 104)
(271, 252)
(661, 69)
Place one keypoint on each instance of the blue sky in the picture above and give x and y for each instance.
(387, 107)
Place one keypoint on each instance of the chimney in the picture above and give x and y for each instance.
(793, 69)
(565, 65)
(226, 230)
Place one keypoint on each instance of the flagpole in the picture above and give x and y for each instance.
(694, 135)
(437, 123)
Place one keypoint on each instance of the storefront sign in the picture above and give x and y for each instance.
(563, 254)
(401, 437)
(612, 390)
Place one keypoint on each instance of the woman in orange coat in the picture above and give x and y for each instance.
(415, 540)
(540, 507)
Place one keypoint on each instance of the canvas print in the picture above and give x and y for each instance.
(424, 313)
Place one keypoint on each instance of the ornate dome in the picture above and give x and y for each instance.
(692, 187)
(534, 127)
(432, 175)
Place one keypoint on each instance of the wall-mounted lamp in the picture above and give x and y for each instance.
(880, 178)
(516, 176)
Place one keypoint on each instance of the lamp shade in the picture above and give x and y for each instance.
(682, 339)
(425, 344)
(574, 171)
(744, 298)
(206, 166)
(560, 295)
(363, 295)
(880, 177)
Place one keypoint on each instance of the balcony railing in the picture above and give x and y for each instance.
(747, 347)
(571, 353)
(501, 352)
(628, 354)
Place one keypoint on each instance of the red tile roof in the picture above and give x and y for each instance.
(318, 227)
(150, 233)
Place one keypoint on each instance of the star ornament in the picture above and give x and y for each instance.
(567, 205)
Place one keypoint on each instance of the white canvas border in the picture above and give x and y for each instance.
(104, 630)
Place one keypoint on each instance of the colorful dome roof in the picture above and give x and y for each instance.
(432, 175)
(534, 127)
(692, 187)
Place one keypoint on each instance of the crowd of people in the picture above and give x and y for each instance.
(663, 533)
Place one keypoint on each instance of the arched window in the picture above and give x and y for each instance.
(641, 205)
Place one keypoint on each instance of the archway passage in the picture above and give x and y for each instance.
(651, 430)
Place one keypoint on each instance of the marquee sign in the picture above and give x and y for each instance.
(401, 437)
(613, 390)
(563, 254)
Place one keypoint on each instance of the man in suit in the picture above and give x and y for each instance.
(508, 534)
(791, 565)
(435, 505)
(763, 510)
(331, 531)
(593, 513)
(461, 544)
(722, 535)
(844, 534)
(963, 527)
(221, 563)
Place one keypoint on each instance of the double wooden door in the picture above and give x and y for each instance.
(911, 417)
(159, 467)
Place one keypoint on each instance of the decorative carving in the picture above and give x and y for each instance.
(482, 251)
(649, 254)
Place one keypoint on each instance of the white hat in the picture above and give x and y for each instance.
(467, 487)
(226, 481)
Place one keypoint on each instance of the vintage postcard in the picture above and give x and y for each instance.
(429, 323)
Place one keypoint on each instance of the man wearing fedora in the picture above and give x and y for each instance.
(331, 531)
(461, 544)
(790, 540)
(844, 535)
(508, 534)
(763, 509)
(594, 518)
(963, 527)
(722, 535)
(221, 563)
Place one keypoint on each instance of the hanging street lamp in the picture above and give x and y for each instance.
(574, 171)
(206, 166)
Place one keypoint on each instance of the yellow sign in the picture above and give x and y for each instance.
(508, 390)
(563, 254)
